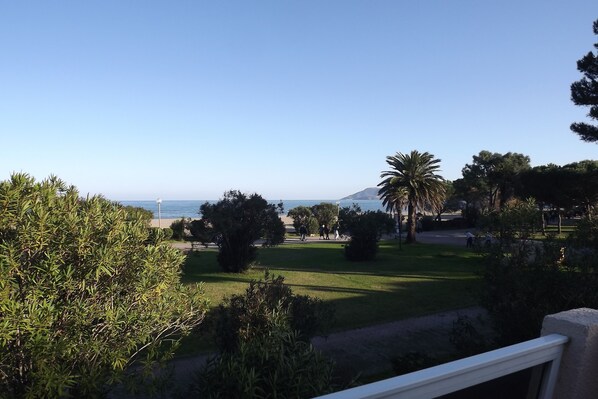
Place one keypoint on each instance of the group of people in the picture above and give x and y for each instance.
(324, 233)
(470, 237)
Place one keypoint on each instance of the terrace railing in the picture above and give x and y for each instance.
(464, 373)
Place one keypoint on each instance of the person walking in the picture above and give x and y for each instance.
(469, 243)
(326, 232)
(321, 232)
(302, 232)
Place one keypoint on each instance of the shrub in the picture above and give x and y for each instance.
(178, 228)
(265, 304)
(235, 223)
(85, 292)
(366, 229)
(582, 244)
(526, 281)
(167, 233)
(263, 337)
(278, 365)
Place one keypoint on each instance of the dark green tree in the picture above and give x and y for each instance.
(235, 223)
(496, 175)
(581, 184)
(302, 215)
(84, 293)
(416, 173)
(366, 229)
(325, 213)
(584, 92)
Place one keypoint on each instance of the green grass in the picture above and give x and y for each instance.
(553, 231)
(417, 280)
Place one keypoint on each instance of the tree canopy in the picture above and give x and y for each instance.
(416, 174)
(584, 92)
(86, 291)
(495, 176)
(235, 223)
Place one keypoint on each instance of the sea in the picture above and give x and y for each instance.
(176, 209)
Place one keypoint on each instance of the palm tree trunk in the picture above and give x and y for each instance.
(410, 223)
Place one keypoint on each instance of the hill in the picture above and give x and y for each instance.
(370, 193)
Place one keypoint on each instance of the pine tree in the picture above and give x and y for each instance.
(585, 92)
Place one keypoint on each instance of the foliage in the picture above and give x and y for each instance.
(584, 92)
(277, 365)
(85, 294)
(178, 228)
(325, 213)
(415, 173)
(266, 304)
(167, 232)
(263, 337)
(492, 178)
(516, 224)
(365, 229)
(303, 215)
(235, 223)
(582, 245)
(136, 212)
(524, 280)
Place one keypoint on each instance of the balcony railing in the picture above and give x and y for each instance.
(464, 373)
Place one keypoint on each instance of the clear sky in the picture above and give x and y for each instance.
(289, 99)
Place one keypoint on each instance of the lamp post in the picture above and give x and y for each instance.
(338, 220)
(159, 201)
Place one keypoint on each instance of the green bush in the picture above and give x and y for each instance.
(178, 228)
(263, 337)
(365, 229)
(277, 365)
(265, 304)
(525, 281)
(167, 233)
(84, 294)
(235, 223)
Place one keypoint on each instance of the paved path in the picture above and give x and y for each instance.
(369, 350)
(447, 237)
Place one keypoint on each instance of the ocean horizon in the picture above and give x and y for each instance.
(176, 209)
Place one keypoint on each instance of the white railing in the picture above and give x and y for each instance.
(464, 373)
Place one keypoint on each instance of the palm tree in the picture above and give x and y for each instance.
(394, 199)
(413, 175)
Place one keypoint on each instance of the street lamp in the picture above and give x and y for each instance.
(338, 220)
(159, 201)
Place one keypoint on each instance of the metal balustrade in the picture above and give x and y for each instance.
(464, 373)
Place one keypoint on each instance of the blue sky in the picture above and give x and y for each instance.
(289, 99)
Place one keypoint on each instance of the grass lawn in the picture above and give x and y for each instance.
(419, 279)
(553, 231)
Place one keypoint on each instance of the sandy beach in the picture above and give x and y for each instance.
(167, 222)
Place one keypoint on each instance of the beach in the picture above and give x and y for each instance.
(288, 222)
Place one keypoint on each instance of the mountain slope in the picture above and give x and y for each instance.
(370, 193)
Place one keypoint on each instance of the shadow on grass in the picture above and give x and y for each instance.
(419, 279)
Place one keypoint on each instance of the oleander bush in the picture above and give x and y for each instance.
(87, 291)
(263, 338)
